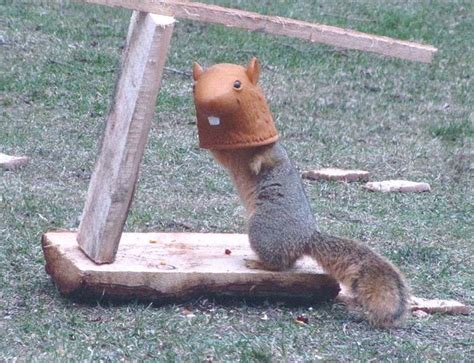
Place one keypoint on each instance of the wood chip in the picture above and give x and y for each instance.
(438, 306)
(8, 162)
(187, 313)
(397, 186)
(344, 175)
(421, 314)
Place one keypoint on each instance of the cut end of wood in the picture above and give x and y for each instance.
(8, 162)
(403, 186)
(178, 266)
(428, 56)
(334, 174)
(162, 20)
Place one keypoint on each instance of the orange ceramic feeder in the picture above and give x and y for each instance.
(231, 110)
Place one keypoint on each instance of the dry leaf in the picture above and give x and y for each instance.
(302, 320)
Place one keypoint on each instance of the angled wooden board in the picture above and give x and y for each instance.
(177, 266)
(313, 32)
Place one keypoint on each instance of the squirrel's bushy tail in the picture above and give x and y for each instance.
(376, 285)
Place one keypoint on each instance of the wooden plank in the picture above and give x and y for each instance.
(398, 186)
(113, 181)
(313, 32)
(163, 266)
(433, 306)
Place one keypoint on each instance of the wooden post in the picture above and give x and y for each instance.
(113, 182)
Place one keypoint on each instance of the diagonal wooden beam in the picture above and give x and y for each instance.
(313, 32)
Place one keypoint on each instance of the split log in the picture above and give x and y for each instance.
(177, 266)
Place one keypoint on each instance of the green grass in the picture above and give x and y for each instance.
(397, 119)
(453, 130)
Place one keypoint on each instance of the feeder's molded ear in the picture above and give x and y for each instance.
(197, 71)
(253, 70)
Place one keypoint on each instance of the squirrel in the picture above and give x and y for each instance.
(281, 224)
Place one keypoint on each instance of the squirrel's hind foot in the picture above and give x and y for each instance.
(258, 265)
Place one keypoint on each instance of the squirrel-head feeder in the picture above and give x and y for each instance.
(230, 107)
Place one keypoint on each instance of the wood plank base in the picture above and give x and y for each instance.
(178, 266)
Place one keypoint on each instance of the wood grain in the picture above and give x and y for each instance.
(113, 182)
(164, 266)
(313, 32)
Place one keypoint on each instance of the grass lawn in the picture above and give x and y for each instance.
(397, 119)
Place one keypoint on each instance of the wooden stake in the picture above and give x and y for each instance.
(319, 33)
(113, 181)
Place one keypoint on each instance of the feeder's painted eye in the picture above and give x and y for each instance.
(194, 87)
(237, 85)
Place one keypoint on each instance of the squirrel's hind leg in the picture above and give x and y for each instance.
(271, 243)
(270, 257)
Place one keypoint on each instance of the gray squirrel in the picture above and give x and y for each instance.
(281, 225)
